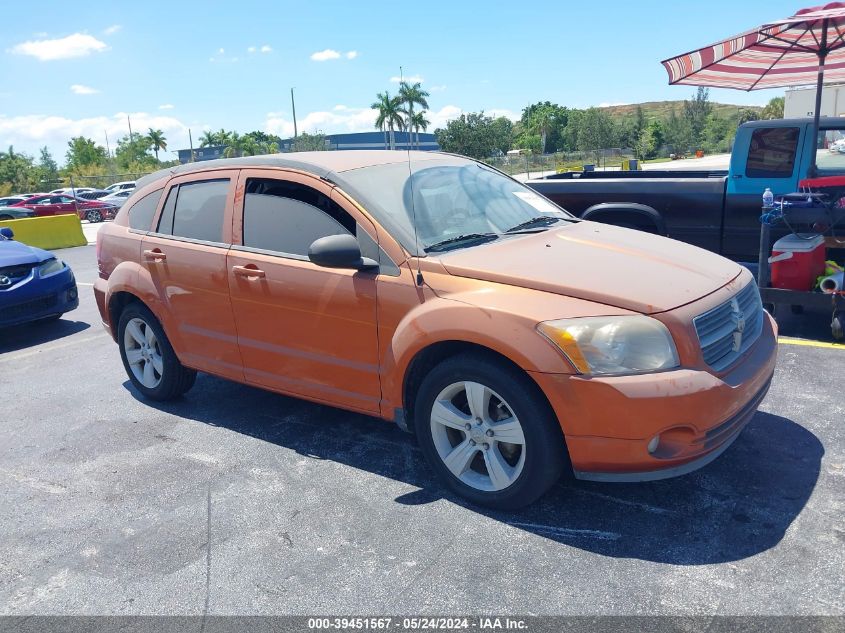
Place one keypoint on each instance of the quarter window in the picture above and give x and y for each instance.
(287, 217)
(195, 210)
(772, 152)
(142, 212)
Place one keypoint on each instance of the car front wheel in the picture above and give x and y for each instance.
(488, 433)
(148, 357)
(94, 216)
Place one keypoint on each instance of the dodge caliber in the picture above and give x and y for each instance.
(516, 341)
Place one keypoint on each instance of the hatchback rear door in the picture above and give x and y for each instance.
(185, 257)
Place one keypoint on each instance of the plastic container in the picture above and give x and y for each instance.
(797, 261)
(768, 199)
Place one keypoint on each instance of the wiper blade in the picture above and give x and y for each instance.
(540, 220)
(460, 239)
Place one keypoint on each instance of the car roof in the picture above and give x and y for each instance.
(317, 163)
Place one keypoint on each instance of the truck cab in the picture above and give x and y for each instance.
(774, 154)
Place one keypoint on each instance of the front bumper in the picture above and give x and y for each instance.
(38, 297)
(609, 422)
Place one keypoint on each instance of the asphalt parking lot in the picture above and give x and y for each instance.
(237, 501)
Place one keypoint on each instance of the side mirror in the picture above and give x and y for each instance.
(7, 232)
(339, 251)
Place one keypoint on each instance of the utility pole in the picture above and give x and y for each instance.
(130, 128)
(293, 107)
(191, 144)
(108, 150)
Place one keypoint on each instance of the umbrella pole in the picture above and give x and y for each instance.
(813, 171)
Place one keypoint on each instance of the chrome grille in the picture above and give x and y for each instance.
(728, 330)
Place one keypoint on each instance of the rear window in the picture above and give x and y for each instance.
(195, 210)
(142, 212)
(772, 152)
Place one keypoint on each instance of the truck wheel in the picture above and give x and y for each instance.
(488, 433)
(148, 357)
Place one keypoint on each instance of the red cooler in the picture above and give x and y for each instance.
(797, 261)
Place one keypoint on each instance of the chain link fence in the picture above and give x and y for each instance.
(535, 165)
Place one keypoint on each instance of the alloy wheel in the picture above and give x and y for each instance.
(143, 353)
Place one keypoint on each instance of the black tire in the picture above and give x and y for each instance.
(94, 216)
(176, 379)
(837, 326)
(6, 217)
(545, 451)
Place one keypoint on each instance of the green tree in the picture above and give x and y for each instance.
(773, 109)
(474, 135)
(83, 152)
(696, 112)
(746, 115)
(596, 131)
(650, 140)
(208, 139)
(48, 170)
(419, 122)
(388, 116)
(547, 120)
(134, 150)
(306, 142)
(679, 134)
(717, 133)
(412, 95)
(16, 170)
(235, 145)
(157, 140)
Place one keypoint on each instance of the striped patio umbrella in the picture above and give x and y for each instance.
(796, 51)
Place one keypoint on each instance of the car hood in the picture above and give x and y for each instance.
(618, 267)
(13, 253)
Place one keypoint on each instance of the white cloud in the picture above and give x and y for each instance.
(608, 105)
(75, 45)
(341, 119)
(221, 51)
(325, 55)
(439, 88)
(411, 79)
(30, 132)
(351, 54)
(266, 49)
(166, 106)
(220, 56)
(251, 49)
(114, 28)
(79, 89)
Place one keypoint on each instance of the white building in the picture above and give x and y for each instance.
(801, 102)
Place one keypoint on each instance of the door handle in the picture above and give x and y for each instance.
(154, 255)
(248, 271)
(737, 176)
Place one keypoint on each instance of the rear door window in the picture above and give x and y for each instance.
(195, 210)
(772, 152)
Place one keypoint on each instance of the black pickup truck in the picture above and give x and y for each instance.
(716, 210)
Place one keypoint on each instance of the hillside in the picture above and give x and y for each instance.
(662, 109)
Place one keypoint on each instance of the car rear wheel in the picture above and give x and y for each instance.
(94, 216)
(488, 433)
(148, 357)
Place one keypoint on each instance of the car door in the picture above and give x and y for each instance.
(66, 204)
(767, 157)
(185, 257)
(302, 329)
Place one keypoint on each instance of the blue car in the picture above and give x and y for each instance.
(34, 284)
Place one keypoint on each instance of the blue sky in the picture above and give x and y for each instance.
(78, 68)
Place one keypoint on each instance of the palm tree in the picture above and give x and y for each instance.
(419, 122)
(411, 95)
(389, 115)
(208, 138)
(157, 140)
(541, 122)
(235, 145)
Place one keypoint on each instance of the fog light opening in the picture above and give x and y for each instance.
(653, 444)
(71, 294)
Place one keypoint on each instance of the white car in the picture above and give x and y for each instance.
(73, 191)
(837, 147)
(118, 197)
(5, 202)
(121, 186)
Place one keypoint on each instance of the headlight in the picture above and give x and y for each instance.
(50, 266)
(613, 345)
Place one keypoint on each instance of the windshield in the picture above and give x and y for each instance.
(449, 197)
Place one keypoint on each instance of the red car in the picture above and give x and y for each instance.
(58, 204)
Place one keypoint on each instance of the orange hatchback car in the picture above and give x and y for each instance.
(513, 339)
